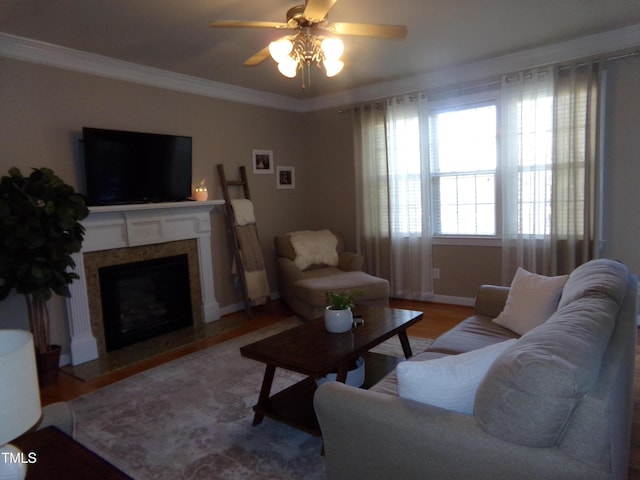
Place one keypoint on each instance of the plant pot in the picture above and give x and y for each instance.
(48, 364)
(355, 377)
(338, 321)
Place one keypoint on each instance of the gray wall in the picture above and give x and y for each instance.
(43, 110)
(621, 217)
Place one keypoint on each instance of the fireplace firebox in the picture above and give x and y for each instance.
(141, 300)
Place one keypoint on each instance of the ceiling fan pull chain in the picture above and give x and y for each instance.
(306, 83)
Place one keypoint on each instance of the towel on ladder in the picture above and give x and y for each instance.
(243, 211)
(255, 275)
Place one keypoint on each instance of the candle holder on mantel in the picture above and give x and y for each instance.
(201, 194)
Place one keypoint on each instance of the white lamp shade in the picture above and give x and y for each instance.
(288, 67)
(19, 393)
(332, 48)
(280, 49)
(333, 67)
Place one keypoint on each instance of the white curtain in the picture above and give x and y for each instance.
(548, 169)
(392, 190)
(409, 199)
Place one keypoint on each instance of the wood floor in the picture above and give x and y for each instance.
(438, 318)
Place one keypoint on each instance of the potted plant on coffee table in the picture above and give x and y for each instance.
(338, 317)
(39, 230)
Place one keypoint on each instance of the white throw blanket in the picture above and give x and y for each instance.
(243, 211)
(255, 275)
(316, 247)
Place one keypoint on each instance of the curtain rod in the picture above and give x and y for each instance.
(584, 61)
(448, 91)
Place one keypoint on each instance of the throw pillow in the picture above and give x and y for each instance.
(449, 382)
(531, 301)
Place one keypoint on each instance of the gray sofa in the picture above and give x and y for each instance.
(556, 404)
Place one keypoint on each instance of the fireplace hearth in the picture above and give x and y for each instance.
(141, 300)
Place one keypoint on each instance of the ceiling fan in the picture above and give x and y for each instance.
(311, 39)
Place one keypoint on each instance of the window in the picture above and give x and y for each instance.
(464, 172)
(535, 137)
(405, 178)
(463, 155)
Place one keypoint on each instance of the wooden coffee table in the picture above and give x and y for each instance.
(310, 350)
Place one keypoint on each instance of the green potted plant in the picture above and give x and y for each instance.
(341, 300)
(39, 230)
(338, 317)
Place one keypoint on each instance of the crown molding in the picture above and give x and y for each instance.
(30, 50)
(26, 49)
(580, 48)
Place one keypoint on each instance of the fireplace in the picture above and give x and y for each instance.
(141, 300)
(122, 234)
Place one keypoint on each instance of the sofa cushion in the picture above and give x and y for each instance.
(532, 300)
(475, 332)
(449, 382)
(531, 390)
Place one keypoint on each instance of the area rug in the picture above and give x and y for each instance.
(191, 419)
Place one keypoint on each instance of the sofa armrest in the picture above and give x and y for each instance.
(490, 300)
(376, 436)
(350, 262)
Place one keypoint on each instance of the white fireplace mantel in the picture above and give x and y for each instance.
(122, 226)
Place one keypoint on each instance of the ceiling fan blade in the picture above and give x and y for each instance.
(367, 30)
(259, 57)
(245, 24)
(316, 10)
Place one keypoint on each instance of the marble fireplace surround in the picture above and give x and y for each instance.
(126, 226)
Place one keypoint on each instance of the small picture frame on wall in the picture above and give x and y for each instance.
(262, 161)
(286, 177)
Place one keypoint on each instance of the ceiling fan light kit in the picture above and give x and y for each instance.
(308, 45)
(333, 67)
(332, 47)
(288, 67)
(280, 49)
(304, 49)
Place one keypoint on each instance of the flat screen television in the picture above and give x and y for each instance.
(123, 167)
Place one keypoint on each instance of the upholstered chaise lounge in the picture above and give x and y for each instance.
(312, 263)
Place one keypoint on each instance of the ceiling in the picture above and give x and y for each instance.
(175, 36)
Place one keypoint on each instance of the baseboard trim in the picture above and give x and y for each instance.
(233, 308)
(236, 307)
(447, 299)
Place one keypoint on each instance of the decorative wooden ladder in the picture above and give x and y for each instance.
(235, 245)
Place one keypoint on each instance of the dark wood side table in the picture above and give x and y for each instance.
(60, 457)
